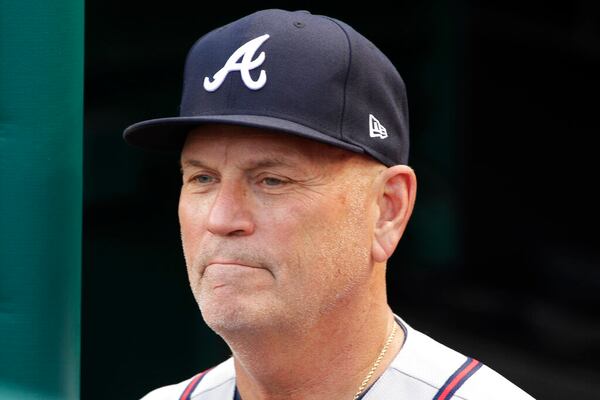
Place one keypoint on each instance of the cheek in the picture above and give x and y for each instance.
(340, 230)
(191, 224)
(303, 233)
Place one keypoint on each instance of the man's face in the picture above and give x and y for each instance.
(276, 229)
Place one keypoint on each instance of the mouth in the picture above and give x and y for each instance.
(232, 273)
(233, 263)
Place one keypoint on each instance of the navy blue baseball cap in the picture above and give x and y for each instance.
(292, 72)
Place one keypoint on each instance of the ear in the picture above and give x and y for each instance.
(396, 199)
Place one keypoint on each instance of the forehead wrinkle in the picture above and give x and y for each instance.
(259, 148)
(254, 162)
(269, 161)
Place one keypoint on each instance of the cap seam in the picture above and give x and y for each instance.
(343, 113)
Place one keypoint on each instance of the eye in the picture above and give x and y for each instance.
(271, 181)
(203, 179)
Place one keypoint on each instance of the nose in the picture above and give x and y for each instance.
(231, 214)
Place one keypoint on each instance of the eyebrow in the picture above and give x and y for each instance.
(192, 163)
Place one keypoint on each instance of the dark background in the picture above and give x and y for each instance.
(501, 258)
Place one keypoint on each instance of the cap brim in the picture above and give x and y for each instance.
(168, 134)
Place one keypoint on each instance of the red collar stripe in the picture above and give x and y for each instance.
(458, 378)
(186, 395)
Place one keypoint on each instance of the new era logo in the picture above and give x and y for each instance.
(376, 129)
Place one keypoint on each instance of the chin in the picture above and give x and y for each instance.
(234, 315)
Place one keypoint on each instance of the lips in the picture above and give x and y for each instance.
(233, 264)
(230, 262)
(235, 275)
(225, 259)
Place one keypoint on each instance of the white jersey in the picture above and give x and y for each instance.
(422, 370)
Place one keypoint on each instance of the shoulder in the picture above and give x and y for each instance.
(490, 385)
(218, 381)
(426, 369)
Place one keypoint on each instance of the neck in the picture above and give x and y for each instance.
(328, 360)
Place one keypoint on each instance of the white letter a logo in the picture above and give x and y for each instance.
(245, 52)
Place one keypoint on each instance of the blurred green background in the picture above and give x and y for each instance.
(41, 180)
(501, 259)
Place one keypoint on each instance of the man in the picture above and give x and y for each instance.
(293, 135)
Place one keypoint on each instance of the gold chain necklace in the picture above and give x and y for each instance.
(365, 381)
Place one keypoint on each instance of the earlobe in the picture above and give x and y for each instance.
(396, 201)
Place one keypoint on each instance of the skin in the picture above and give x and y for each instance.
(285, 241)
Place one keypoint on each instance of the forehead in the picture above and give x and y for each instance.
(225, 141)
